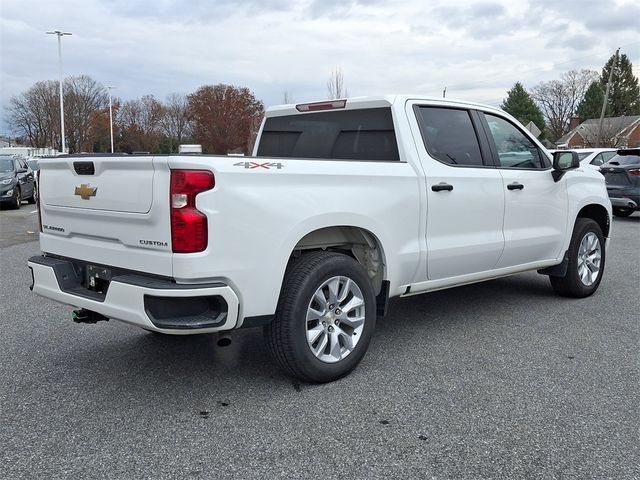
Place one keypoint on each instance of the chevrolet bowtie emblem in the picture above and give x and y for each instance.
(85, 191)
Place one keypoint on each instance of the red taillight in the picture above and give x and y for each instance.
(634, 171)
(188, 224)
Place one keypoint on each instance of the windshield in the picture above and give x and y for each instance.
(6, 164)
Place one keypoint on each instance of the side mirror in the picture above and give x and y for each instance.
(22, 170)
(563, 161)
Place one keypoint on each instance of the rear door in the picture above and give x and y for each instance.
(535, 214)
(465, 198)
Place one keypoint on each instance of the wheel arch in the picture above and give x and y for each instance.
(358, 242)
(599, 214)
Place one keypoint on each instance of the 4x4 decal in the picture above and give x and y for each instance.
(265, 165)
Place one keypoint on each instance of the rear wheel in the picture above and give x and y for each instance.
(325, 317)
(622, 212)
(586, 261)
(17, 199)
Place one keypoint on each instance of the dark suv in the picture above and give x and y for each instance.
(16, 181)
(622, 174)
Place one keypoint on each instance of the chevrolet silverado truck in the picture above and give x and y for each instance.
(343, 205)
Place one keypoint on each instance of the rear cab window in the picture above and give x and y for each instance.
(358, 134)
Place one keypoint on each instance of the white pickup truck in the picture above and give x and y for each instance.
(344, 204)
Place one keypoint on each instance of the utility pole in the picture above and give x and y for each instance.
(606, 97)
(60, 35)
(110, 116)
(444, 92)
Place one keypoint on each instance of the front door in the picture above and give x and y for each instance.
(535, 214)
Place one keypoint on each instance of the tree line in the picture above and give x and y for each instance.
(222, 118)
(551, 105)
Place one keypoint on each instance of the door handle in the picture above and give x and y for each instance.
(515, 186)
(441, 186)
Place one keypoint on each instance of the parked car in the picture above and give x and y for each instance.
(17, 181)
(592, 157)
(622, 175)
(33, 164)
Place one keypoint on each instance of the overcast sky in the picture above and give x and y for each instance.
(476, 49)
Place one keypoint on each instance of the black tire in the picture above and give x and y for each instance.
(622, 212)
(571, 285)
(286, 336)
(17, 199)
(32, 199)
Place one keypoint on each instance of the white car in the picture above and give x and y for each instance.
(592, 157)
(345, 204)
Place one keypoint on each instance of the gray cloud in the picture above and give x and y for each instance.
(595, 15)
(489, 9)
(477, 49)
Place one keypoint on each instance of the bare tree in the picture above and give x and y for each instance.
(335, 85)
(35, 114)
(175, 120)
(287, 97)
(559, 99)
(85, 101)
(139, 122)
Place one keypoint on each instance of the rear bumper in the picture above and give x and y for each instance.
(147, 302)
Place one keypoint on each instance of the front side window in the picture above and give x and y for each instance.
(449, 136)
(515, 149)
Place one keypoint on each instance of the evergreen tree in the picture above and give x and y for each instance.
(520, 104)
(591, 104)
(624, 93)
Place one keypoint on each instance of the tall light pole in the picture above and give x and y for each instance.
(60, 35)
(110, 116)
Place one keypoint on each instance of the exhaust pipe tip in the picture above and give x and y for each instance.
(224, 340)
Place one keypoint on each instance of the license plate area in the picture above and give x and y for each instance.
(97, 278)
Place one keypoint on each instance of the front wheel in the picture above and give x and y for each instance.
(17, 199)
(325, 317)
(622, 212)
(586, 261)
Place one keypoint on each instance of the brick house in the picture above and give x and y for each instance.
(622, 132)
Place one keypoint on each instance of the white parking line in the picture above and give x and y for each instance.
(35, 211)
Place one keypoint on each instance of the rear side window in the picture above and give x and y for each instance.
(597, 160)
(449, 136)
(363, 134)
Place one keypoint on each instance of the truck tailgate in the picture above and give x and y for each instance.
(108, 210)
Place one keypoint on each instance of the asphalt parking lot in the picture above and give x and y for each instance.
(496, 380)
